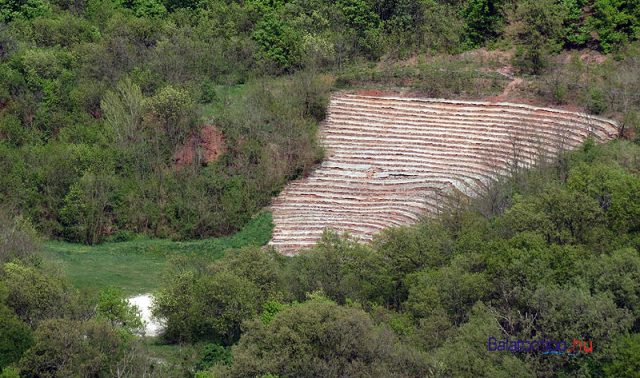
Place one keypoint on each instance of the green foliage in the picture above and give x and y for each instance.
(575, 32)
(15, 337)
(113, 306)
(320, 338)
(123, 82)
(270, 310)
(12, 132)
(72, 348)
(173, 110)
(210, 306)
(34, 295)
(483, 19)
(596, 101)
(10, 372)
(98, 98)
(615, 21)
(214, 354)
(123, 111)
(617, 274)
(278, 42)
(625, 361)
(261, 267)
(466, 354)
(547, 266)
(450, 288)
(364, 22)
(538, 31)
(18, 239)
(562, 216)
(110, 85)
(341, 269)
(149, 8)
(615, 190)
(85, 211)
(28, 9)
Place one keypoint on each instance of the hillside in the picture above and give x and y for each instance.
(320, 188)
(391, 160)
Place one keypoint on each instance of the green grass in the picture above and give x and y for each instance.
(136, 266)
(208, 111)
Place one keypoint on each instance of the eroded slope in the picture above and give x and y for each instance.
(390, 158)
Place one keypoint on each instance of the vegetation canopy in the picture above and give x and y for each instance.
(142, 143)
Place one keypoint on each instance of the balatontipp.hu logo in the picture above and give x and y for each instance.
(543, 346)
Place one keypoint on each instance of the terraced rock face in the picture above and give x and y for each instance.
(389, 159)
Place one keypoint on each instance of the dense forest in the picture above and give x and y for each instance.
(558, 260)
(98, 98)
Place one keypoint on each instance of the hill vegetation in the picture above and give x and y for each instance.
(97, 96)
(559, 260)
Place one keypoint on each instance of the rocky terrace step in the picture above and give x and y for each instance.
(390, 160)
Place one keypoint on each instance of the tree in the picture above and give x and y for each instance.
(406, 250)
(149, 8)
(173, 112)
(450, 288)
(563, 216)
(617, 274)
(35, 295)
(214, 354)
(18, 239)
(114, 307)
(28, 9)
(260, 267)
(626, 357)
(15, 337)
(615, 21)
(466, 353)
(173, 5)
(123, 110)
(342, 269)
(616, 191)
(484, 20)
(319, 338)
(86, 208)
(67, 348)
(207, 306)
(278, 43)
(365, 24)
(572, 312)
(537, 29)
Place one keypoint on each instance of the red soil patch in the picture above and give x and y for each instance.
(585, 55)
(203, 148)
(372, 92)
(592, 57)
(513, 84)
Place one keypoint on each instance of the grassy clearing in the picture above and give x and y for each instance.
(136, 266)
(223, 95)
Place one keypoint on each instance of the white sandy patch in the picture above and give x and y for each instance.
(152, 325)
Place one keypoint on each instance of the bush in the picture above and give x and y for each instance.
(626, 357)
(15, 337)
(214, 354)
(221, 301)
(596, 102)
(320, 338)
(72, 348)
